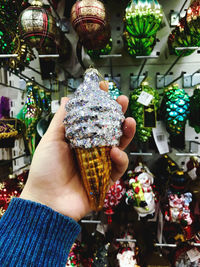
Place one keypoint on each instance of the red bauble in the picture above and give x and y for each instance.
(113, 198)
(90, 21)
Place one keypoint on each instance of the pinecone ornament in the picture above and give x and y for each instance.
(175, 112)
(144, 123)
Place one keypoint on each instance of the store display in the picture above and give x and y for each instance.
(145, 115)
(175, 111)
(93, 125)
(150, 217)
(91, 23)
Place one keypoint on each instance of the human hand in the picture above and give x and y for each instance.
(54, 179)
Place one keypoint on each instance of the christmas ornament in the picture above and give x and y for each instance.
(179, 211)
(178, 181)
(96, 53)
(145, 116)
(101, 258)
(194, 115)
(175, 110)
(193, 19)
(181, 37)
(37, 26)
(74, 255)
(10, 188)
(181, 257)
(143, 18)
(93, 125)
(126, 257)
(31, 115)
(141, 194)
(193, 167)
(113, 197)
(142, 21)
(7, 130)
(90, 21)
(113, 90)
(138, 46)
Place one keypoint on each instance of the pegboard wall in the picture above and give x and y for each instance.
(124, 68)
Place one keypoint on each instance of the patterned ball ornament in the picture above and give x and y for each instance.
(175, 111)
(37, 26)
(90, 21)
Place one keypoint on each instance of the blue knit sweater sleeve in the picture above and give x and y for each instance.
(32, 234)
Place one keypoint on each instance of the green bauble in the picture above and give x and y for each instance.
(181, 37)
(143, 18)
(137, 111)
(98, 52)
(194, 116)
(138, 46)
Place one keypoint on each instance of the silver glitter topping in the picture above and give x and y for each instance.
(93, 118)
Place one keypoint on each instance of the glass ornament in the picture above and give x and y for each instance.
(96, 53)
(90, 21)
(137, 111)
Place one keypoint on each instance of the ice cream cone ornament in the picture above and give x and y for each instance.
(93, 124)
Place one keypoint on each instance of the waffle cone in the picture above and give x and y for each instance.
(95, 168)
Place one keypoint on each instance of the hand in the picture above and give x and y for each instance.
(54, 178)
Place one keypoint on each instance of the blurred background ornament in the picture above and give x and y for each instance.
(181, 37)
(193, 18)
(145, 116)
(113, 198)
(37, 26)
(175, 111)
(141, 22)
(90, 21)
(96, 53)
(141, 194)
(194, 115)
(113, 90)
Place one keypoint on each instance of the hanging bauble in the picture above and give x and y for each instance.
(138, 46)
(96, 53)
(31, 116)
(113, 197)
(23, 52)
(37, 26)
(145, 116)
(181, 37)
(113, 90)
(74, 255)
(193, 18)
(90, 21)
(141, 194)
(126, 257)
(143, 18)
(194, 116)
(178, 181)
(175, 110)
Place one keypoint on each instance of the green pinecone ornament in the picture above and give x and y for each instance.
(145, 116)
(175, 111)
(194, 116)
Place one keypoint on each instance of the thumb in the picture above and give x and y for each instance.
(56, 127)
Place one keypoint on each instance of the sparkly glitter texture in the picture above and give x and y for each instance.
(93, 118)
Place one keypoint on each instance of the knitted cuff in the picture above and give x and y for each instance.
(32, 234)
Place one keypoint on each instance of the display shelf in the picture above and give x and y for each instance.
(90, 221)
(8, 55)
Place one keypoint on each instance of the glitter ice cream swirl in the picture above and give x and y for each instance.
(93, 118)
